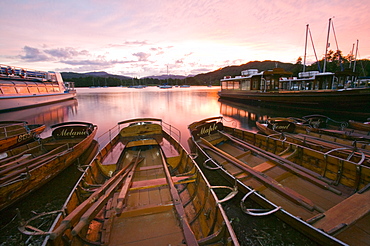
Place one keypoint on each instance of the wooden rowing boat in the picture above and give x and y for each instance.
(324, 125)
(325, 197)
(15, 133)
(362, 126)
(28, 167)
(288, 129)
(142, 188)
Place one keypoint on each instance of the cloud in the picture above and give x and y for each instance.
(97, 62)
(142, 56)
(34, 55)
(66, 53)
(129, 43)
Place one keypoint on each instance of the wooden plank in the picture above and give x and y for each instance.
(146, 184)
(263, 166)
(347, 212)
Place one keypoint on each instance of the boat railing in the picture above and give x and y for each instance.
(23, 73)
(70, 86)
(108, 136)
(172, 131)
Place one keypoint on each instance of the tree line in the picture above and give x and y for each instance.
(335, 62)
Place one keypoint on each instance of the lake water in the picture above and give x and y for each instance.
(105, 107)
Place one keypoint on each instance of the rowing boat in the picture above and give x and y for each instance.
(15, 133)
(324, 125)
(362, 126)
(290, 130)
(325, 197)
(142, 188)
(29, 166)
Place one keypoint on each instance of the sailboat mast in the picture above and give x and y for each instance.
(305, 50)
(354, 63)
(327, 45)
(351, 57)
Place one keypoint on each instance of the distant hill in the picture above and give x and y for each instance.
(70, 75)
(215, 76)
(104, 78)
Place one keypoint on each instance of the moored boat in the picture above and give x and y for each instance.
(296, 131)
(142, 188)
(324, 196)
(165, 86)
(21, 88)
(362, 126)
(316, 126)
(315, 90)
(15, 133)
(26, 168)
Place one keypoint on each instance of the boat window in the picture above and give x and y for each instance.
(52, 77)
(33, 89)
(22, 90)
(8, 89)
(52, 88)
(42, 88)
(224, 85)
(246, 85)
(255, 84)
(236, 85)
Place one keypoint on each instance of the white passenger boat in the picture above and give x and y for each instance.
(21, 88)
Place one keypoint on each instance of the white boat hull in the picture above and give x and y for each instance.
(24, 101)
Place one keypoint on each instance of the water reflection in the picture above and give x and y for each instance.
(178, 106)
(47, 114)
(107, 106)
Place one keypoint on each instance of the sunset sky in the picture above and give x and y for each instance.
(143, 37)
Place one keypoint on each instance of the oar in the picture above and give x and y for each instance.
(30, 163)
(287, 165)
(74, 216)
(266, 180)
(127, 184)
(190, 238)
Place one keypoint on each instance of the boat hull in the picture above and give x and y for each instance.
(24, 101)
(17, 133)
(359, 126)
(315, 190)
(346, 98)
(28, 167)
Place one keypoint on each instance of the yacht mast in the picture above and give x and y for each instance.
(354, 63)
(327, 45)
(351, 57)
(305, 50)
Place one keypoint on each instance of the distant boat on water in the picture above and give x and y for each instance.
(165, 86)
(21, 88)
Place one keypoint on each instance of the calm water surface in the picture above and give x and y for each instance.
(105, 107)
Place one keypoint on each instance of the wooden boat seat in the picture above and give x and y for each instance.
(147, 184)
(215, 138)
(347, 212)
(264, 166)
